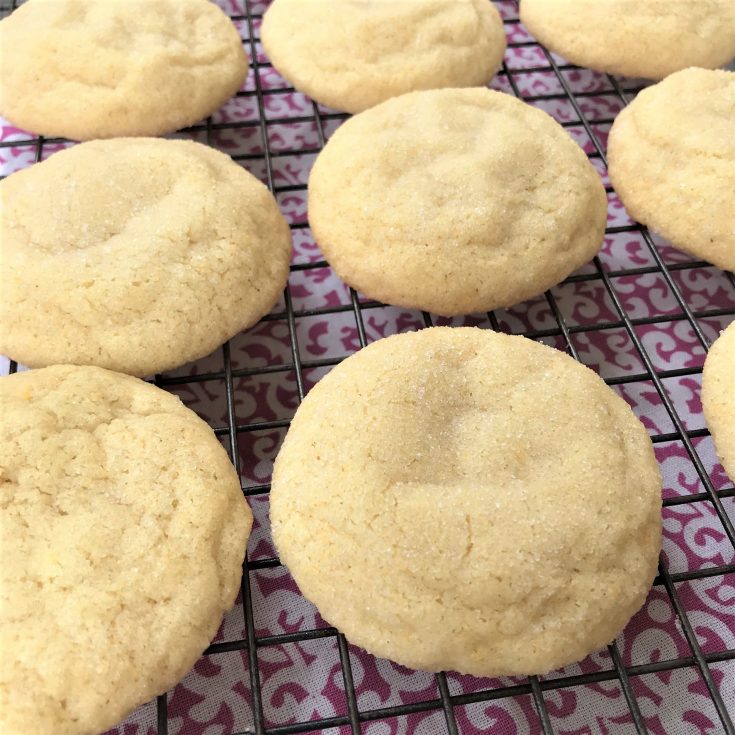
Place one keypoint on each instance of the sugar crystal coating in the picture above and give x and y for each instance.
(148, 254)
(353, 55)
(123, 534)
(461, 499)
(455, 201)
(85, 69)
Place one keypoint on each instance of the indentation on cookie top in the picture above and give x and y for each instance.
(671, 158)
(353, 55)
(128, 533)
(439, 533)
(150, 253)
(458, 201)
(102, 68)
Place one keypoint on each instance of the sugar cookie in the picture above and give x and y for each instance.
(84, 69)
(462, 499)
(124, 530)
(455, 201)
(718, 397)
(635, 38)
(135, 254)
(353, 55)
(671, 156)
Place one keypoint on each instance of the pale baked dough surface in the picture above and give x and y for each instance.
(671, 156)
(136, 255)
(352, 55)
(455, 201)
(718, 397)
(460, 499)
(123, 534)
(86, 69)
(635, 38)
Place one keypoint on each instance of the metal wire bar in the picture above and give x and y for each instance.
(245, 590)
(344, 656)
(538, 699)
(699, 656)
(531, 334)
(254, 673)
(628, 693)
(446, 700)
(162, 714)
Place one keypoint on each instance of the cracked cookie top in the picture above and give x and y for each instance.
(123, 534)
(455, 201)
(148, 254)
(353, 54)
(671, 156)
(84, 69)
(460, 499)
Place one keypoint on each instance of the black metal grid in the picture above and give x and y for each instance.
(534, 686)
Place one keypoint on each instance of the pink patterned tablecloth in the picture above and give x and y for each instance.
(302, 680)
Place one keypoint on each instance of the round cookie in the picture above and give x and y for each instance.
(671, 156)
(136, 255)
(86, 69)
(718, 397)
(635, 38)
(352, 55)
(124, 530)
(461, 499)
(455, 201)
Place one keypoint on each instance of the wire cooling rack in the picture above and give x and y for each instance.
(642, 314)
